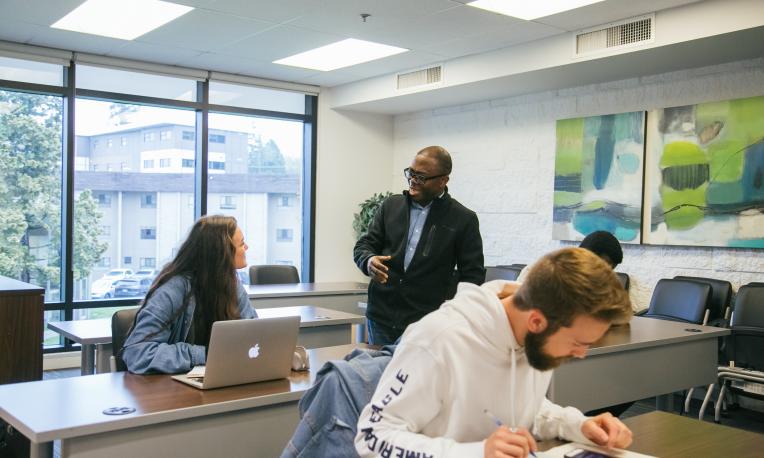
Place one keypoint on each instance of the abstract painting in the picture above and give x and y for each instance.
(704, 175)
(598, 176)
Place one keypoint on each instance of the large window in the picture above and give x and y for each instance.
(126, 186)
(264, 160)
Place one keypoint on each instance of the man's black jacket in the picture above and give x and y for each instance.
(450, 238)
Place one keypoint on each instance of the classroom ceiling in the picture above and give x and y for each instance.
(245, 36)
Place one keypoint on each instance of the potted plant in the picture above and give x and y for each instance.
(363, 219)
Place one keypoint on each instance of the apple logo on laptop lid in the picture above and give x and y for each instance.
(254, 352)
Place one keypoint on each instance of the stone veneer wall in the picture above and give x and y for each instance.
(503, 153)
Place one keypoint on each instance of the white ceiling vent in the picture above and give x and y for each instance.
(423, 77)
(616, 36)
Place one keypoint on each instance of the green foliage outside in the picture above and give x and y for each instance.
(363, 219)
(30, 195)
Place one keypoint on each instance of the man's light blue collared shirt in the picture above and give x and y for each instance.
(417, 217)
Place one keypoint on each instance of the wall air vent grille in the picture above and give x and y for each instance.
(421, 77)
(615, 36)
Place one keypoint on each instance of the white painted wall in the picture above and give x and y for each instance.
(354, 157)
(503, 152)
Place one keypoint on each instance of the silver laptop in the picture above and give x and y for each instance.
(247, 351)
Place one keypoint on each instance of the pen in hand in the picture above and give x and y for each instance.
(499, 423)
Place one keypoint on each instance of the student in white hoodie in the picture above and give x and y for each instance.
(488, 350)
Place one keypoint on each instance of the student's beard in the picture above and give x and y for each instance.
(537, 357)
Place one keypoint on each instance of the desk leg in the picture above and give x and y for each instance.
(665, 402)
(103, 355)
(87, 360)
(44, 450)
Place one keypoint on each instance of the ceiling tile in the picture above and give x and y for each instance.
(162, 54)
(608, 11)
(16, 31)
(40, 12)
(219, 31)
(279, 42)
(492, 40)
(400, 62)
(264, 10)
(243, 66)
(74, 41)
(330, 79)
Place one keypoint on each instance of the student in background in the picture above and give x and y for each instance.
(200, 286)
(412, 247)
(481, 352)
(602, 243)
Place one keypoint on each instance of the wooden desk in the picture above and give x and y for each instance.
(171, 419)
(647, 358)
(319, 327)
(669, 435)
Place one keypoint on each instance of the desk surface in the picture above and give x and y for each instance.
(307, 289)
(669, 435)
(643, 332)
(99, 331)
(311, 316)
(73, 407)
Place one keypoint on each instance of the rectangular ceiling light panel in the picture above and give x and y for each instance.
(123, 19)
(530, 10)
(340, 54)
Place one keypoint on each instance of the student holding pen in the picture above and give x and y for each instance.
(492, 348)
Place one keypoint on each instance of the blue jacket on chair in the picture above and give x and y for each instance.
(329, 409)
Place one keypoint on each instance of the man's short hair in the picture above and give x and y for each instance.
(441, 155)
(604, 244)
(572, 282)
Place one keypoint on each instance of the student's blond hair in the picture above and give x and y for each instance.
(571, 282)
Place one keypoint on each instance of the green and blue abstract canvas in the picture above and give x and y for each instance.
(704, 175)
(598, 176)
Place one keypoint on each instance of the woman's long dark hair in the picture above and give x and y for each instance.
(206, 258)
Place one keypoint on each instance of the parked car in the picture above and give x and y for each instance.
(132, 286)
(103, 288)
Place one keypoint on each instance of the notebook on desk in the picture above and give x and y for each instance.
(246, 351)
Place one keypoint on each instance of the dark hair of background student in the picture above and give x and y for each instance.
(206, 259)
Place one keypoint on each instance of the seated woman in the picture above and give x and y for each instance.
(200, 286)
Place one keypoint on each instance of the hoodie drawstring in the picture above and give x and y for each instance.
(513, 376)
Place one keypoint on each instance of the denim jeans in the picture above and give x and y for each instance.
(379, 334)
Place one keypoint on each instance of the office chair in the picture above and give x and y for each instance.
(121, 323)
(680, 300)
(270, 274)
(721, 294)
(502, 273)
(744, 349)
(624, 279)
(718, 310)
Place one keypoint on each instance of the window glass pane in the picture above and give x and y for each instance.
(50, 338)
(136, 83)
(258, 166)
(129, 189)
(256, 97)
(30, 189)
(28, 71)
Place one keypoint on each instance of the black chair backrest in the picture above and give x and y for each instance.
(270, 274)
(679, 300)
(721, 294)
(502, 273)
(746, 344)
(624, 279)
(121, 322)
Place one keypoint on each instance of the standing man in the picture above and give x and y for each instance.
(412, 247)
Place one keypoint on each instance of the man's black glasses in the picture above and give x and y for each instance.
(417, 178)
